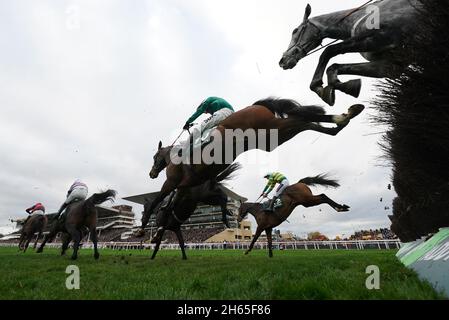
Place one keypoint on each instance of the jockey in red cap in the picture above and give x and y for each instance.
(38, 208)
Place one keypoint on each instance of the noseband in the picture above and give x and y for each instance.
(302, 47)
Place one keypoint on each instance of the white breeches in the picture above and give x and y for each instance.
(282, 186)
(77, 193)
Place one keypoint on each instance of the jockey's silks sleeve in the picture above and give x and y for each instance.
(211, 104)
(274, 179)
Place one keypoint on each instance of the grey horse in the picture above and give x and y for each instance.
(379, 32)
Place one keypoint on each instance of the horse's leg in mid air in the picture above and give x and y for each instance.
(181, 243)
(323, 199)
(269, 233)
(37, 240)
(256, 237)
(357, 44)
(373, 69)
(158, 244)
(76, 236)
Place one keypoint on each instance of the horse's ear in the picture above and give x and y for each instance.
(160, 145)
(308, 12)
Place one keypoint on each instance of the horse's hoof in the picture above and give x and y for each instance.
(97, 256)
(246, 253)
(39, 250)
(328, 96)
(74, 257)
(352, 87)
(355, 110)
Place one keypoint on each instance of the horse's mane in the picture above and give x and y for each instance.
(289, 107)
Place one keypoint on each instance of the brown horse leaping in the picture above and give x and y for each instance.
(35, 225)
(287, 117)
(79, 216)
(293, 196)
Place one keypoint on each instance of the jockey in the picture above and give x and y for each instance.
(218, 108)
(37, 209)
(274, 179)
(77, 192)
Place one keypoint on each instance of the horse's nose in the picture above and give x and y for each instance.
(281, 63)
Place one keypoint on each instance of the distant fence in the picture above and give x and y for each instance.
(299, 245)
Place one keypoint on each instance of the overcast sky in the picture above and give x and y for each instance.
(88, 88)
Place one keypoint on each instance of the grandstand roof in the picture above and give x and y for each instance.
(140, 199)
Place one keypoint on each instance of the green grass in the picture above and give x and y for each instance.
(209, 275)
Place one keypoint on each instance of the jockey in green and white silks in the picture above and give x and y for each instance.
(218, 108)
(274, 179)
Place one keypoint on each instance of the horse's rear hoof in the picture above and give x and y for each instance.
(97, 256)
(328, 96)
(74, 257)
(40, 250)
(355, 110)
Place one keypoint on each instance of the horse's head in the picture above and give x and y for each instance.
(161, 160)
(305, 38)
(243, 211)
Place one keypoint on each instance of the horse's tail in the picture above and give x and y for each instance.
(322, 180)
(292, 108)
(99, 198)
(227, 174)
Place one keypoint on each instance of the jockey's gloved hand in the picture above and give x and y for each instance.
(186, 126)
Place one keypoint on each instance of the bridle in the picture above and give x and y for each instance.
(296, 45)
(304, 27)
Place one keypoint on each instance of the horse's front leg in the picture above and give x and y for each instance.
(357, 44)
(256, 237)
(167, 188)
(373, 69)
(158, 244)
(37, 240)
(181, 243)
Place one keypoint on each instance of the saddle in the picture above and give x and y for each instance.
(278, 204)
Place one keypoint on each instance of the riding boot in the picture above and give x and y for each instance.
(271, 206)
(64, 205)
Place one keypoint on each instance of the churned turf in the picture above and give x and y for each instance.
(214, 275)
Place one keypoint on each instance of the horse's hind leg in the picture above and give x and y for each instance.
(158, 244)
(27, 243)
(76, 236)
(65, 243)
(323, 199)
(181, 243)
(93, 236)
(37, 240)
